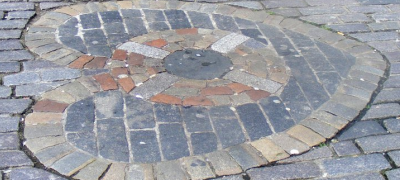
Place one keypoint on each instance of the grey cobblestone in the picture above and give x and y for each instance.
(5, 91)
(71, 163)
(16, 6)
(313, 154)
(21, 78)
(345, 148)
(10, 45)
(395, 157)
(393, 174)
(14, 105)
(17, 55)
(289, 171)
(381, 111)
(392, 125)
(361, 129)
(10, 34)
(20, 15)
(14, 159)
(376, 36)
(9, 141)
(9, 124)
(28, 173)
(379, 143)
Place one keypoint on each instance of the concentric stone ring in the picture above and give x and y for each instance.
(267, 99)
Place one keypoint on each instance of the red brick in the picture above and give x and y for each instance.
(106, 81)
(127, 84)
(97, 63)
(256, 95)
(120, 55)
(115, 72)
(186, 31)
(238, 88)
(49, 106)
(135, 59)
(80, 62)
(167, 99)
(197, 101)
(221, 90)
(158, 43)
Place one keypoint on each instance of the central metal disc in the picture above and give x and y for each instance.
(197, 64)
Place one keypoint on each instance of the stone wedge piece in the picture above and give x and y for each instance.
(253, 81)
(155, 85)
(229, 42)
(144, 50)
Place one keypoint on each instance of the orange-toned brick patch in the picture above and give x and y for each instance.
(256, 95)
(135, 59)
(238, 87)
(158, 43)
(97, 63)
(127, 84)
(106, 81)
(80, 62)
(186, 31)
(49, 106)
(221, 90)
(115, 72)
(167, 99)
(197, 101)
(120, 55)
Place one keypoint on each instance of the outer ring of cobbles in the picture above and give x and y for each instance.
(297, 139)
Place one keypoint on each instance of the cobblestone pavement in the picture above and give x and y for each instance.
(212, 89)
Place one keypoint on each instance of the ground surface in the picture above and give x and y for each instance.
(304, 89)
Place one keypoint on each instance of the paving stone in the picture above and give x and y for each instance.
(31, 173)
(85, 141)
(200, 20)
(50, 5)
(387, 95)
(80, 116)
(384, 46)
(393, 174)
(17, 55)
(144, 50)
(360, 164)
(38, 144)
(93, 171)
(349, 28)
(320, 127)
(226, 126)
(10, 45)
(10, 34)
(196, 119)
(229, 42)
(37, 131)
(9, 106)
(392, 125)
(117, 171)
(305, 135)
(222, 163)
(109, 104)
(254, 121)
(340, 110)
(14, 6)
(354, 17)
(144, 146)
(139, 113)
(5, 91)
(345, 148)
(51, 154)
(289, 144)
(21, 78)
(89, 21)
(71, 163)
(313, 154)
(253, 81)
(376, 36)
(173, 141)
(9, 67)
(59, 74)
(169, 170)
(204, 142)
(289, 171)
(43, 118)
(110, 16)
(135, 171)
(246, 156)
(177, 19)
(14, 159)
(361, 129)
(395, 157)
(198, 168)
(382, 111)
(9, 124)
(74, 43)
(247, 4)
(379, 143)
(321, 10)
(269, 150)
(277, 114)
(226, 23)
(9, 141)
(365, 176)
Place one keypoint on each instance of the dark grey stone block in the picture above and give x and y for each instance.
(200, 20)
(226, 23)
(196, 119)
(300, 40)
(13, 6)
(395, 157)
(173, 141)
(381, 143)
(110, 17)
(85, 141)
(277, 114)
(131, 13)
(376, 36)
(350, 28)
(330, 80)
(317, 153)
(33, 173)
(365, 176)
(144, 146)
(9, 141)
(245, 24)
(203, 142)
(388, 95)
(10, 34)
(90, 21)
(74, 42)
(80, 116)
(100, 50)
(289, 171)
(57, 74)
(154, 15)
(14, 106)
(361, 129)
(341, 62)
(14, 159)
(381, 111)
(5, 91)
(17, 55)
(109, 104)
(112, 139)
(69, 28)
(177, 19)
(167, 113)
(255, 34)
(9, 124)
(10, 45)
(392, 125)
(254, 121)
(393, 174)
(316, 59)
(135, 26)
(139, 113)
(159, 26)
(345, 148)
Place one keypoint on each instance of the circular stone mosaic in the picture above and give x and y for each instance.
(160, 85)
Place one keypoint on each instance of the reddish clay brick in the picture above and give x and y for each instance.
(167, 99)
(151, 71)
(240, 52)
(127, 84)
(97, 63)
(221, 90)
(238, 88)
(80, 62)
(186, 31)
(115, 72)
(120, 55)
(106, 81)
(256, 95)
(135, 59)
(158, 43)
(197, 101)
(49, 106)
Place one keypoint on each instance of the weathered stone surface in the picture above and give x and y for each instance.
(5, 91)
(392, 125)
(290, 171)
(92, 171)
(169, 170)
(14, 159)
(228, 43)
(9, 141)
(14, 105)
(9, 124)
(395, 157)
(198, 168)
(379, 143)
(345, 148)
(155, 85)
(313, 154)
(361, 129)
(382, 111)
(30, 173)
(144, 50)
(72, 163)
(269, 150)
(253, 81)
(222, 163)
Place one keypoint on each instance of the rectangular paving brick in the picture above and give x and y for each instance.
(196, 119)
(345, 148)
(197, 168)
(144, 146)
(302, 170)
(155, 85)
(12, 24)
(17, 55)
(154, 15)
(228, 43)
(226, 126)
(112, 140)
(72, 163)
(177, 19)
(246, 156)
(296, 101)
(86, 141)
(253, 81)
(381, 111)
(226, 23)
(14, 106)
(80, 116)
(392, 125)
(341, 63)
(131, 13)
(9, 124)
(110, 16)
(167, 113)
(135, 26)
(360, 164)
(173, 141)
(203, 142)
(109, 104)
(144, 50)
(89, 21)
(362, 129)
(200, 20)
(375, 36)
(316, 153)
(284, 3)
(9, 141)
(14, 6)
(381, 143)
(10, 45)
(14, 159)
(51, 154)
(254, 121)
(223, 163)
(9, 67)
(277, 114)
(139, 113)
(169, 170)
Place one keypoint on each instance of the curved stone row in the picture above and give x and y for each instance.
(332, 115)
